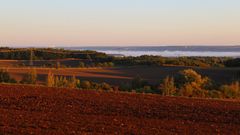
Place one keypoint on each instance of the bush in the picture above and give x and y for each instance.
(81, 64)
(86, 85)
(145, 89)
(215, 94)
(73, 82)
(110, 64)
(138, 82)
(231, 91)
(60, 81)
(5, 77)
(106, 86)
(30, 78)
(125, 87)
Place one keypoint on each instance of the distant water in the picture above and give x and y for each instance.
(167, 51)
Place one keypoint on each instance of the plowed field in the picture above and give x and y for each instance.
(41, 110)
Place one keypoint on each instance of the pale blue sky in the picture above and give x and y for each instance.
(119, 22)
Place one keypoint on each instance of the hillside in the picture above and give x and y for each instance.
(119, 75)
(41, 110)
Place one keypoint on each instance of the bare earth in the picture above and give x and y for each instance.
(41, 110)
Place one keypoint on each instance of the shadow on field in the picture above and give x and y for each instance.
(125, 74)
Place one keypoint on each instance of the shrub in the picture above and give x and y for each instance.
(115, 88)
(73, 82)
(232, 90)
(30, 78)
(145, 89)
(86, 85)
(110, 64)
(5, 77)
(125, 87)
(59, 81)
(138, 82)
(81, 64)
(215, 94)
(106, 86)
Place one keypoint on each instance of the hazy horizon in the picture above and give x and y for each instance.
(57, 23)
(69, 46)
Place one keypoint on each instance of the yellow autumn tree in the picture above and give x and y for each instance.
(232, 90)
(50, 79)
(192, 84)
(167, 87)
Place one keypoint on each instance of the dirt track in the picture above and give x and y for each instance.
(40, 110)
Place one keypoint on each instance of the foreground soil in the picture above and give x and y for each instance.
(40, 110)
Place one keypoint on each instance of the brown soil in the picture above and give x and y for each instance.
(41, 110)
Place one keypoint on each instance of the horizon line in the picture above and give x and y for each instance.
(68, 46)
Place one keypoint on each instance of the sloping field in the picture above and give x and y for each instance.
(120, 75)
(17, 63)
(40, 110)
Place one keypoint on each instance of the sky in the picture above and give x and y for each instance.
(119, 22)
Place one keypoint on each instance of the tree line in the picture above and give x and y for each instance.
(50, 54)
(173, 61)
(97, 57)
